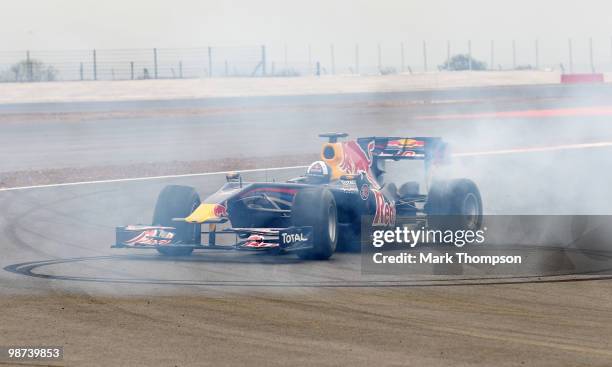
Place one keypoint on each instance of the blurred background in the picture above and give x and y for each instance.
(115, 40)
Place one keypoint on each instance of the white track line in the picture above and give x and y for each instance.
(148, 178)
(466, 154)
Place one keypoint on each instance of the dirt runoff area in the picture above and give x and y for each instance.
(422, 326)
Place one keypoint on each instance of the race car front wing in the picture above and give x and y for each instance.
(246, 239)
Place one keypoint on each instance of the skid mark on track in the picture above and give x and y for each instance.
(29, 269)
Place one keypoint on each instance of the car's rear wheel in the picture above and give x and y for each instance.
(316, 207)
(176, 201)
(454, 204)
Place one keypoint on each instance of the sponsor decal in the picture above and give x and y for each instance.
(407, 153)
(290, 238)
(355, 160)
(220, 211)
(403, 148)
(257, 241)
(348, 186)
(385, 211)
(295, 235)
(405, 143)
(151, 237)
(364, 192)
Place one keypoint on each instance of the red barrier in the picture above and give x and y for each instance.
(582, 78)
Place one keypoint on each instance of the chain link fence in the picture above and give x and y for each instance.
(131, 64)
(568, 56)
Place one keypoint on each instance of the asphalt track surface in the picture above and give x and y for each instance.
(86, 134)
(63, 285)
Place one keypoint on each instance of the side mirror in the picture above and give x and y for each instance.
(233, 177)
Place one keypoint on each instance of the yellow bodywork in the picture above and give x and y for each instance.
(203, 214)
(334, 163)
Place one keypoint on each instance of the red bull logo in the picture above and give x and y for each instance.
(258, 241)
(355, 160)
(406, 143)
(151, 237)
(385, 211)
(220, 211)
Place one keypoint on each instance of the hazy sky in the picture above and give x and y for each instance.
(86, 24)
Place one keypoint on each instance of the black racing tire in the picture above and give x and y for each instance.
(176, 201)
(316, 207)
(455, 205)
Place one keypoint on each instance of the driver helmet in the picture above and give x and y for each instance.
(318, 172)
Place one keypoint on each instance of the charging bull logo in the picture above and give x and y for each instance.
(405, 143)
(355, 160)
(258, 241)
(151, 237)
(220, 211)
(385, 211)
(404, 148)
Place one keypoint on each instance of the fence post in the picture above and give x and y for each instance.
(181, 69)
(310, 71)
(318, 68)
(591, 54)
(357, 58)
(379, 57)
(81, 71)
(132, 70)
(403, 59)
(155, 63)
(425, 55)
(333, 59)
(95, 66)
(29, 70)
(492, 54)
(470, 55)
(210, 69)
(571, 56)
(448, 54)
(537, 54)
(264, 61)
(513, 55)
(286, 65)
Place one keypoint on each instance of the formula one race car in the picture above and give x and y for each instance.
(311, 214)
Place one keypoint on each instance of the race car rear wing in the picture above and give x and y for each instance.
(430, 149)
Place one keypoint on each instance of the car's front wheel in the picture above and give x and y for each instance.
(316, 208)
(176, 201)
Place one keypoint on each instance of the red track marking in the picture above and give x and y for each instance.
(582, 78)
(558, 112)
